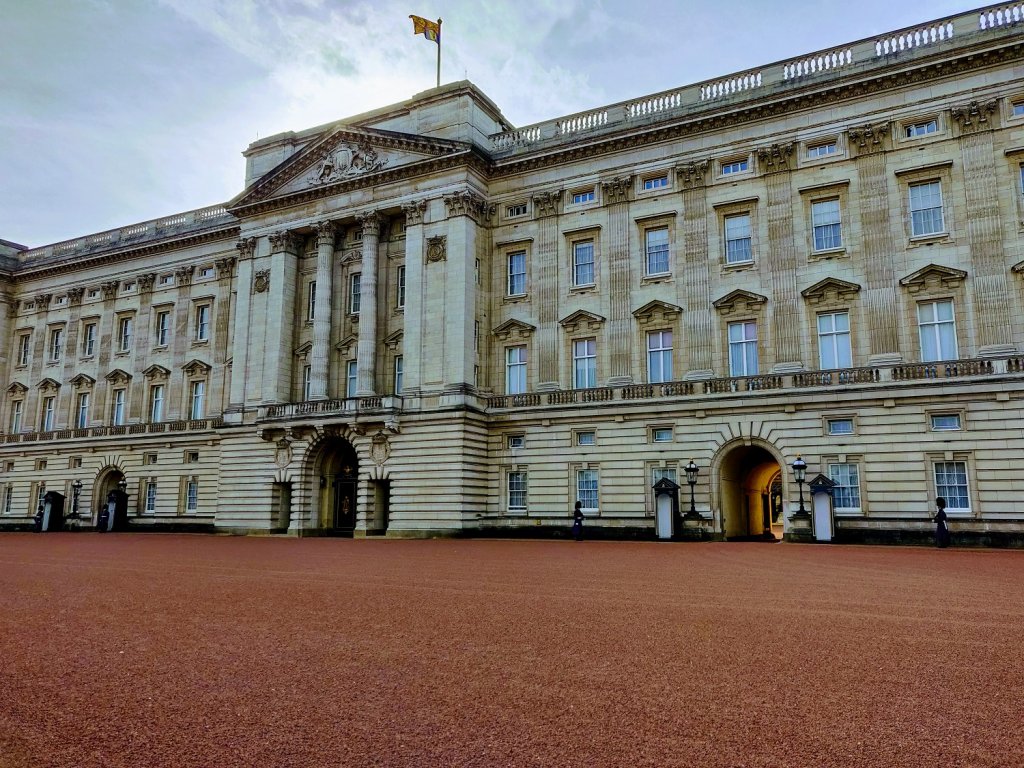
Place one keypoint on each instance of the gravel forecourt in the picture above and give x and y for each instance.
(150, 650)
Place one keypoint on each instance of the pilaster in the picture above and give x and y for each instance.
(279, 319)
(219, 391)
(458, 252)
(177, 409)
(105, 347)
(414, 298)
(320, 355)
(246, 248)
(695, 287)
(546, 207)
(616, 194)
(366, 351)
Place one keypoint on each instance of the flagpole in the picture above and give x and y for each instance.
(438, 53)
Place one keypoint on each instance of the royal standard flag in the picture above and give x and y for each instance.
(429, 29)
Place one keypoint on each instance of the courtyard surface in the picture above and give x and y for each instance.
(167, 650)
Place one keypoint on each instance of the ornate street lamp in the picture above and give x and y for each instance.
(799, 473)
(691, 471)
(76, 491)
(122, 485)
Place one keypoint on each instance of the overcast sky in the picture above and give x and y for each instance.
(118, 111)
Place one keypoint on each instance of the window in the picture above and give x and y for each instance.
(163, 328)
(16, 412)
(656, 182)
(476, 335)
(938, 331)
(846, 494)
(586, 489)
(1018, 109)
(584, 363)
(840, 426)
(517, 273)
(195, 410)
(350, 378)
(663, 473)
(192, 495)
(399, 369)
(737, 239)
(56, 344)
(124, 334)
(926, 209)
(828, 230)
(24, 348)
(400, 297)
(582, 197)
(661, 435)
(822, 150)
(117, 411)
(311, 300)
(206, 272)
(921, 129)
(942, 422)
(166, 279)
(40, 494)
(657, 250)
(82, 411)
(743, 349)
(150, 458)
(583, 262)
(516, 441)
(156, 403)
(586, 438)
(834, 340)
(519, 209)
(8, 498)
(515, 370)
(151, 496)
(191, 457)
(951, 484)
(203, 322)
(46, 414)
(354, 298)
(517, 491)
(659, 357)
(307, 382)
(736, 166)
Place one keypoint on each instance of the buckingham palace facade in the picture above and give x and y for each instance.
(423, 320)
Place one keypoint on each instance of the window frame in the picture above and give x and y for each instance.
(355, 292)
(515, 278)
(517, 368)
(660, 353)
(149, 499)
(400, 287)
(202, 317)
(657, 249)
(921, 325)
(968, 491)
(163, 328)
(125, 333)
(351, 378)
(583, 494)
(835, 337)
(590, 367)
(47, 413)
(83, 402)
(745, 343)
(577, 264)
(941, 208)
(847, 462)
(118, 406)
(56, 344)
(522, 491)
(156, 403)
(197, 399)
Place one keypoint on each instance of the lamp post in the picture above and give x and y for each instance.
(122, 485)
(691, 471)
(799, 473)
(76, 491)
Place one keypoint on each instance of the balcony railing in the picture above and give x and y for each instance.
(838, 378)
(194, 425)
(348, 406)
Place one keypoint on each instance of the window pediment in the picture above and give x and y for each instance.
(303, 350)
(48, 385)
(1018, 268)
(656, 311)
(581, 319)
(118, 376)
(831, 288)
(739, 301)
(156, 373)
(82, 381)
(196, 368)
(345, 345)
(932, 277)
(394, 340)
(513, 328)
(17, 388)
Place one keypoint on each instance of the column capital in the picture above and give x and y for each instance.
(109, 289)
(183, 275)
(42, 300)
(325, 233)
(617, 190)
(870, 138)
(75, 295)
(146, 282)
(225, 266)
(466, 202)
(284, 240)
(974, 116)
(414, 211)
(776, 158)
(246, 248)
(369, 221)
(547, 203)
(693, 175)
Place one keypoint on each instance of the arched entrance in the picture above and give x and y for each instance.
(337, 476)
(750, 493)
(109, 479)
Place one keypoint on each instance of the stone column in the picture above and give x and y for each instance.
(878, 246)
(222, 334)
(105, 344)
(459, 252)
(779, 263)
(181, 343)
(615, 194)
(320, 355)
(414, 295)
(366, 351)
(240, 342)
(66, 401)
(546, 207)
(8, 313)
(280, 318)
(992, 321)
(143, 342)
(694, 290)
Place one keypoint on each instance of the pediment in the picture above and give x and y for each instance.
(17, 388)
(343, 155)
(659, 311)
(739, 301)
(195, 367)
(303, 350)
(513, 328)
(48, 385)
(581, 319)
(82, 381)
(156, 373)
(1018, 267)
(830, 287)
(394, 340)
(346, 344)
(118, 376)
(933, 276)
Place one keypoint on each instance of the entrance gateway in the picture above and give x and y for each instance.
(751, 495)
(338, 475)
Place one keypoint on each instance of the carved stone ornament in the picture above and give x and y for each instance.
(156, 373)
(547, 203)
(118, 376)
(466, 202)
(869, 138)
(414, 211)
(283, 241)
(740, 301)
(109, 289)
(369, 222)
(146, 282)
(183, 275)
(325, 233)
(437, 248)
(380, 449)
(616, 190)
(345, 161)
(693, 175)
(283, 452)
(42, 300)
(75, 296)
(261, 281)
(48, 386)
(225, 266)
(974, 116)
(775, 158)
(246, 248)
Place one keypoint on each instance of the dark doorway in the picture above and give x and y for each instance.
(751, 493)
(339, 487)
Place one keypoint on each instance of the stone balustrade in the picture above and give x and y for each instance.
(349, 406)
(157, 427)
(844, 377)
(693, 100)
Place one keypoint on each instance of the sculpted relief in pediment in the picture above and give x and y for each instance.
(346, 160)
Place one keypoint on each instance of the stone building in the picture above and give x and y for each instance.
(424, 320)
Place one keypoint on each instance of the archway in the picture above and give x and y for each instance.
(107, 480)
(337, 478)
(751, 494)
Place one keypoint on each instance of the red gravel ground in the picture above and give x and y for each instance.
(151, 650)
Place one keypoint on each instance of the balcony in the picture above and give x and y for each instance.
(350, 407)
(158, 427)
